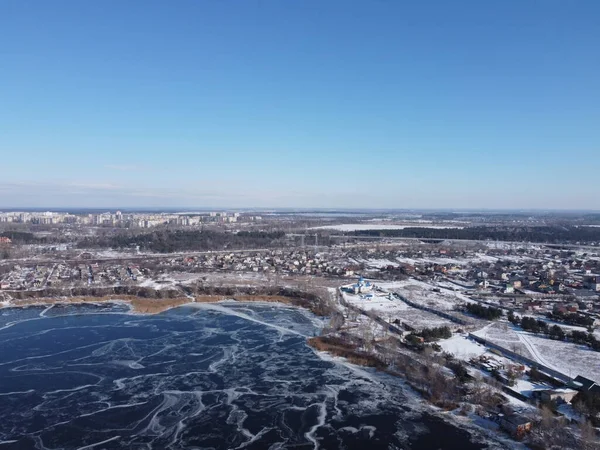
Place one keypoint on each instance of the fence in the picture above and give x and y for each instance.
(375, 317)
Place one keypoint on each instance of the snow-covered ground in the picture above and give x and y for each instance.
(424, 294)
(111, 253)
(153, 284)
(470, 260)
(419, 319)
(462, 347)
(568, 358)
(392, 309)
(379, 263)
(380, 303)
(527, 387)
(442, 260)
(565, 357)
(505, 335)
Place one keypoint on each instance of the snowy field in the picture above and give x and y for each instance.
(465, 349)
(378, 263)
(422, 293)
(419, 319)
(379, 304)
(568, 358)
(391, 310)
(111, 253)
(506, 335)
(462, 347)
(565, 357)
(476, 258)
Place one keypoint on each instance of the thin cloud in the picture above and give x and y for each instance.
(109, 193)
(126, 168)
(94, 186)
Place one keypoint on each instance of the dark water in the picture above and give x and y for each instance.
(215, 377)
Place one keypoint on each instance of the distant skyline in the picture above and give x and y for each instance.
(300, 104)
(284, 210)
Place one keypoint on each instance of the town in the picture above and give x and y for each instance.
(504, 333)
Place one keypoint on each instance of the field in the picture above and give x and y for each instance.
(424, 294)
(505, 335)
(570, 359)
(391, 310)
(463, 261)
(462, 347)
(565, 357)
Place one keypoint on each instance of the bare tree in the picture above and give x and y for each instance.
(337, 321)
(547, 419)
(366, 334)
(588, 434)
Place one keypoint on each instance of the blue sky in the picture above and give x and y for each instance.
(305, 103)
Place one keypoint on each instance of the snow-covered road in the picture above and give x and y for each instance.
(535, 353)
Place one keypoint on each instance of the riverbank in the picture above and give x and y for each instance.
(138, 305)
(421, 381)
(338, 347)
(156, 301)
(413, 369)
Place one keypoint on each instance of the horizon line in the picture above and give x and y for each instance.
(191, 209)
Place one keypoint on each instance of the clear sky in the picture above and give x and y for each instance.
(300, 103)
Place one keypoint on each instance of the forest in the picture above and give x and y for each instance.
(21, 237)
(546, 234)
(485, 312)
(165, 241)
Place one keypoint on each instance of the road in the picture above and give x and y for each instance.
(536, 354)
(50, 273)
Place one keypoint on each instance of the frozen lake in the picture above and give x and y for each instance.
(213, 377)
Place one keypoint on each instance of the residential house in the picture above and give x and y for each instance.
(585, 384)
(517, 425)
(592, 282)
(508, 288)
(563, 395)
(516, 282)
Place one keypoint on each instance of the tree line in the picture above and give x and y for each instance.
(166, 241)
(548, 234)
(485, 312)
(555, 332)
(572, 319)
(21, 237)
